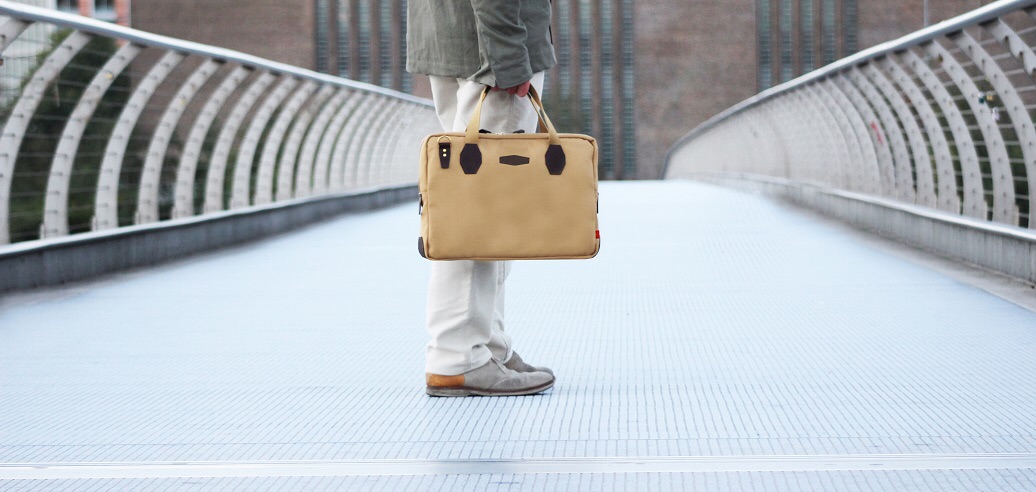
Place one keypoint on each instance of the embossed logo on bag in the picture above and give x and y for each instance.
(514, 160)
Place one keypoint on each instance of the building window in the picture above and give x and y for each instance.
(607, 89)
(849, 26)
(407, 84)
(343, 16)
(797, 36)
(370, 42)
(68, 6)
(828, 31)
(764, 33)
(585, 65)
(385, 44)
(563, 47)
(591, 90)
(322, 35)
(363, 60)
(787, 50)
(629, 140)
(806, 40)
(105, 10)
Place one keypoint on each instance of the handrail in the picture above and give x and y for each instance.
(981, 15)
(159, 124)
(107, 29)
(938, 118)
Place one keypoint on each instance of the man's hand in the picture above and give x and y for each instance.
(520, 90)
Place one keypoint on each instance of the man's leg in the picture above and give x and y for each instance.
(461, 299)
(501, 113)
(465, 298)
(499, 341)
(444, 95)
(461, 294)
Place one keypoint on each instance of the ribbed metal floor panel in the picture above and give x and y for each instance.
(713, 323)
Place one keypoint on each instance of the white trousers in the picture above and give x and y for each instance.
(466, 298)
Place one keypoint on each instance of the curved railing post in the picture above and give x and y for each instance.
(946, 194)
(216, 173)
(389, 138)
(902, 172)
(106, 208)
(1021, 119)
(877, 132)
(1004, 208)
(10, 29)
(268, 160)
(315, 135)
(870, 168)
(276, 131)
(290, 157)
(974, 196)
(830, 132)
(940, 119)
(55, 207)
(353, 151)
(366, 152)
(322, 167)
(851, 152)
(241, 191)
(18, 121)
(183, 192)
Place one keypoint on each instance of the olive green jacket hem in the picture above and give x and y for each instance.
(494, 42)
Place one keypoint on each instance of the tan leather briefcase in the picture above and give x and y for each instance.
(508, 196)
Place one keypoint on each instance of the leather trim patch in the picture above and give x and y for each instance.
(555, 158)
(437, 381)
(514, 160)
(444, 155)
(420, 247)
(470, 158)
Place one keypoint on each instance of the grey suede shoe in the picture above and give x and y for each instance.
(515, 363)
(492, 379)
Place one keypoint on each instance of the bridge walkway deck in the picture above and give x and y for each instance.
(720, 341)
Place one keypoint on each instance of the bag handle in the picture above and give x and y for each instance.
(471, 156)
(546, 126)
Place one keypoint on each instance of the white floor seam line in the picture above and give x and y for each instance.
(610, 465)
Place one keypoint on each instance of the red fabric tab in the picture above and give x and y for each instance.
(598, 234)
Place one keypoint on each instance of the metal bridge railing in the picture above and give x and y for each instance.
(104, 127)
(942, 118)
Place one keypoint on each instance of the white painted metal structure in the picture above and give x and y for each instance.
(198, 130)
(941, 119)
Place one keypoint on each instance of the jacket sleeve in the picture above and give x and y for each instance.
(502, 36)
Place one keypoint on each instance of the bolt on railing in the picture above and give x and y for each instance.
(105, 126)
(942, 118)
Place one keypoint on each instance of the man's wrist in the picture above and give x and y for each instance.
(512, 75)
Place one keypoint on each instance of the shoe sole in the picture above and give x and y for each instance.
(465, 391)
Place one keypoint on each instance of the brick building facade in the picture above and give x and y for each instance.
(282, 31)
(697, 58)
(117, 11)
(688, 59)
(20, 56)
